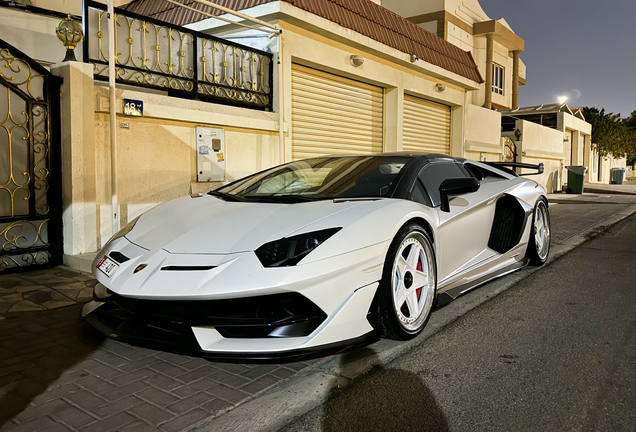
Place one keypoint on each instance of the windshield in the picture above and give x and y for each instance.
(320, 178)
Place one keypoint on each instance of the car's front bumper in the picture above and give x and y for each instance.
(341, 288)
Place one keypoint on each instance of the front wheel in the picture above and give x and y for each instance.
(407, 289)
(539, 243)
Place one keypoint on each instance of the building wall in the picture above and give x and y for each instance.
(482, 135)
(540, 144)
(33, 34)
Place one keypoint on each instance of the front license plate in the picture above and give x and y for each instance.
(107, 266)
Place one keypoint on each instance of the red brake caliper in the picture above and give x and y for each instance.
(419, 290)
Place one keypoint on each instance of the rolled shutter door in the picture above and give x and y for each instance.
(334, 115)
(426, 126)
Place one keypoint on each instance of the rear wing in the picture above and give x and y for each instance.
(506, 166)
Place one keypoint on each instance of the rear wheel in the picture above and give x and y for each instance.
(407, 289)
(539, 243)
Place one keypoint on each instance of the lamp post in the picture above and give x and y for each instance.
(70, 33)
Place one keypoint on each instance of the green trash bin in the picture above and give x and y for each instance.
(616, 175)
(576, 177)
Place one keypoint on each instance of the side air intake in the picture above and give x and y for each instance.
(508, 224)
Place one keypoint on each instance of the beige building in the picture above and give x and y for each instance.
(358, 80)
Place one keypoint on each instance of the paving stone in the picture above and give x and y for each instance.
(137, 364)
(184, 422)
(259, 371)
(283, 373)
(34, 327)
(85, 294)
(132, 376)
(260, 384)
(6, 370)
(230, 379)
(73, 417)
(28, 287)
(168, 369)
(123, 391)
(53, 393)
(151, 413)
(12, 298)
(296, 366)
(120, 405)
(45, 424)
(216, 406)
(189, 403)
(194, 387)
(232, 367)
(43, 410)
(84, 399)
(195, 363)
(119, 348)
(111, 423)
(25, 306)
(97, 386)
(72, 294)
(173, 358)
(10, 282)
(110, 359)
(163, 382)
(157, 397)
(226, 393)
(138, 426)
(57, 304)
(4, 307)
(202, 372)
(100, 370)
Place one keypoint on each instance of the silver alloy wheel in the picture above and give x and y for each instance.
(413, 282)
(542, 231)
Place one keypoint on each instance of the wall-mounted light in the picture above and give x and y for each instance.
(440, 88)
(414, 58)
(356, 60)
(518, 134)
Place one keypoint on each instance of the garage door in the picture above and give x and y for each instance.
(334, 115)
(426, 126)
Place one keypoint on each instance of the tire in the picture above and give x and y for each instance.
(408, 285)
(540, 234)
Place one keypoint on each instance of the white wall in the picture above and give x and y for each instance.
(482, 133)
(540, 144)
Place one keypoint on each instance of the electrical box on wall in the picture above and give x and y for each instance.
(210, 154)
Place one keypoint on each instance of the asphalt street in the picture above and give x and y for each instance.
(557, 352)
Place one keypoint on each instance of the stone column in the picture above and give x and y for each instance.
(489, 64)
(515, 79)
(393, 119)
(77, 112)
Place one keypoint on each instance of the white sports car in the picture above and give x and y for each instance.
(318, 254)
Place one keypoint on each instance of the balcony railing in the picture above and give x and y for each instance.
(185, 63)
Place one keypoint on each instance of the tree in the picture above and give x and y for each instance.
(630, 123)
(609, 133)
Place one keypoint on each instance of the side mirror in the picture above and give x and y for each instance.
(456, 186)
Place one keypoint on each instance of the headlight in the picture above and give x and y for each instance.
(290, 250)
(125, 230)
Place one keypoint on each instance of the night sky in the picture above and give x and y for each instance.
(584, 49)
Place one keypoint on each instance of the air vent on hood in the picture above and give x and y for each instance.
(118, 256)
(187, 268)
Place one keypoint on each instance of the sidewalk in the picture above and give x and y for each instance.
(58, 374)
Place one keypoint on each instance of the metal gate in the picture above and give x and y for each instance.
(30, 182)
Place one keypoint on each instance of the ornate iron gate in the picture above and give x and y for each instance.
(510, 150)
(30, 182)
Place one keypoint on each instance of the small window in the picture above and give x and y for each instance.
(419, 194)
(434, 174)
(498, 79)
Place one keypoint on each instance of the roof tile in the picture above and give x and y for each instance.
(362, 16)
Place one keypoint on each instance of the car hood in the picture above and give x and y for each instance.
(210, 225)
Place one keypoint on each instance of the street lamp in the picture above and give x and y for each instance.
(562, 99)
(70, 33)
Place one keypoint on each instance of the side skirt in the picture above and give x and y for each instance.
(448, 296)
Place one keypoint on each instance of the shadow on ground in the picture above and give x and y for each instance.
(35, 350)
(385, 399)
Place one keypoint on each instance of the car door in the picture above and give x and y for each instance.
(463, 232)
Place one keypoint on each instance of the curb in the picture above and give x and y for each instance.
(275, 408)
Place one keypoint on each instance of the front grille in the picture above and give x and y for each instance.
(277, 315)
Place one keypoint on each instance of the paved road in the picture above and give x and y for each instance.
(557, 352)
